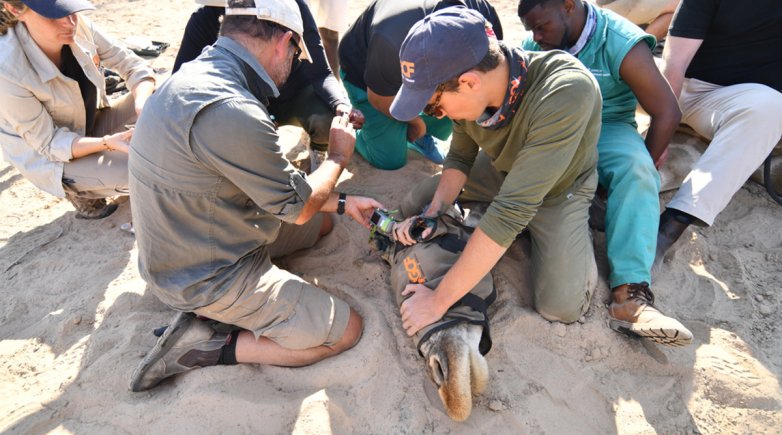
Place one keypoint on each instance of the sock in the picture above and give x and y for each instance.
(228, 351)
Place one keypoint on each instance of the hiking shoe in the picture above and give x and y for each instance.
(430, 147)
(636, 315)
(87, 208)
(186, 344)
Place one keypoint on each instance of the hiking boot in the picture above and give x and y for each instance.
(632, 312)
(187, 343)
(87, 208)
(430, 147)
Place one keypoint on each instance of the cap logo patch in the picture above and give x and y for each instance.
(408, 68)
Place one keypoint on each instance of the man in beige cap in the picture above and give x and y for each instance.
(214, 200)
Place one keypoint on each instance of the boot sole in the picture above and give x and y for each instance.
(666, 336)
(169, 337)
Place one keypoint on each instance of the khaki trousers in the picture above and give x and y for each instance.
(744, 123)
(562, 257)
(103, 174)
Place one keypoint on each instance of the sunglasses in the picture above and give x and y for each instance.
(294, 39)
(434, 108)
(296, 47)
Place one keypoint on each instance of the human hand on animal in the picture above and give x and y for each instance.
(360, 208)
(402, 234)
(342, 140)
(420, 309)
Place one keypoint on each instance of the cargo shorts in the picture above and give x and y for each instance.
(282, 306)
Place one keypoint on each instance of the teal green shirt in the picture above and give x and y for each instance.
(603, 55)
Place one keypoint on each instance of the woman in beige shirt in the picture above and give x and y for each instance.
(57, 124)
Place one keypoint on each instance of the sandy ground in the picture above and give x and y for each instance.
(76, 319)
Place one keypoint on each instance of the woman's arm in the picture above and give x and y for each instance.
(84, 146)
(141, 92)
(115, 56)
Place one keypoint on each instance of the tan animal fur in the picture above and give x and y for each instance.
(457, 367)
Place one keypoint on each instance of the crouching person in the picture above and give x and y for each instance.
(454, 346)
(215, 201)
(526, 126)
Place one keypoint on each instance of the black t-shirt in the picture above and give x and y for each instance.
(742, 40)
(369, 50)
(89, 93)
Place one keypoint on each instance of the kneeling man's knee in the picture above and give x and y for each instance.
(326, 226)
(566, 307)
(563, 313)
(352, 332)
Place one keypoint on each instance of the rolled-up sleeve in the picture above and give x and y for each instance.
(237, 139)
(115, 56)
(32, 123)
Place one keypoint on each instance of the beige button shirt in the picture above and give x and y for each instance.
(41, 110)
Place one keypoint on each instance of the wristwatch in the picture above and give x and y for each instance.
(341, 203)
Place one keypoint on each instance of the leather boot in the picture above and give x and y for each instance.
(632, 312)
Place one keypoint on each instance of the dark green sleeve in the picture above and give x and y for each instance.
(463, 150)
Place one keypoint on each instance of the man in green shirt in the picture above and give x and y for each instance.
(535, 116)
(525, 130)
(619, 55)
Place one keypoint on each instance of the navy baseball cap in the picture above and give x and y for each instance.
(440, 46)
(58, 8)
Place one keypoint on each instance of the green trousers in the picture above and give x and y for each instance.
(382, 141)
(562, 259)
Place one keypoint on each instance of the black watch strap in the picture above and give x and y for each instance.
(341, 203)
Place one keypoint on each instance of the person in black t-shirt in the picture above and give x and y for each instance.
(723, 60)
(369, 56)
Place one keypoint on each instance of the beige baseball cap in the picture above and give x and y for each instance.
(283, 12)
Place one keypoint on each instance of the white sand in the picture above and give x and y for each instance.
(77, 319)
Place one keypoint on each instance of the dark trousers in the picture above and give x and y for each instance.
(201, 31)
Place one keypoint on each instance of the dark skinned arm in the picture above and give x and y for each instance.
(415, 127)
(654, 94)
